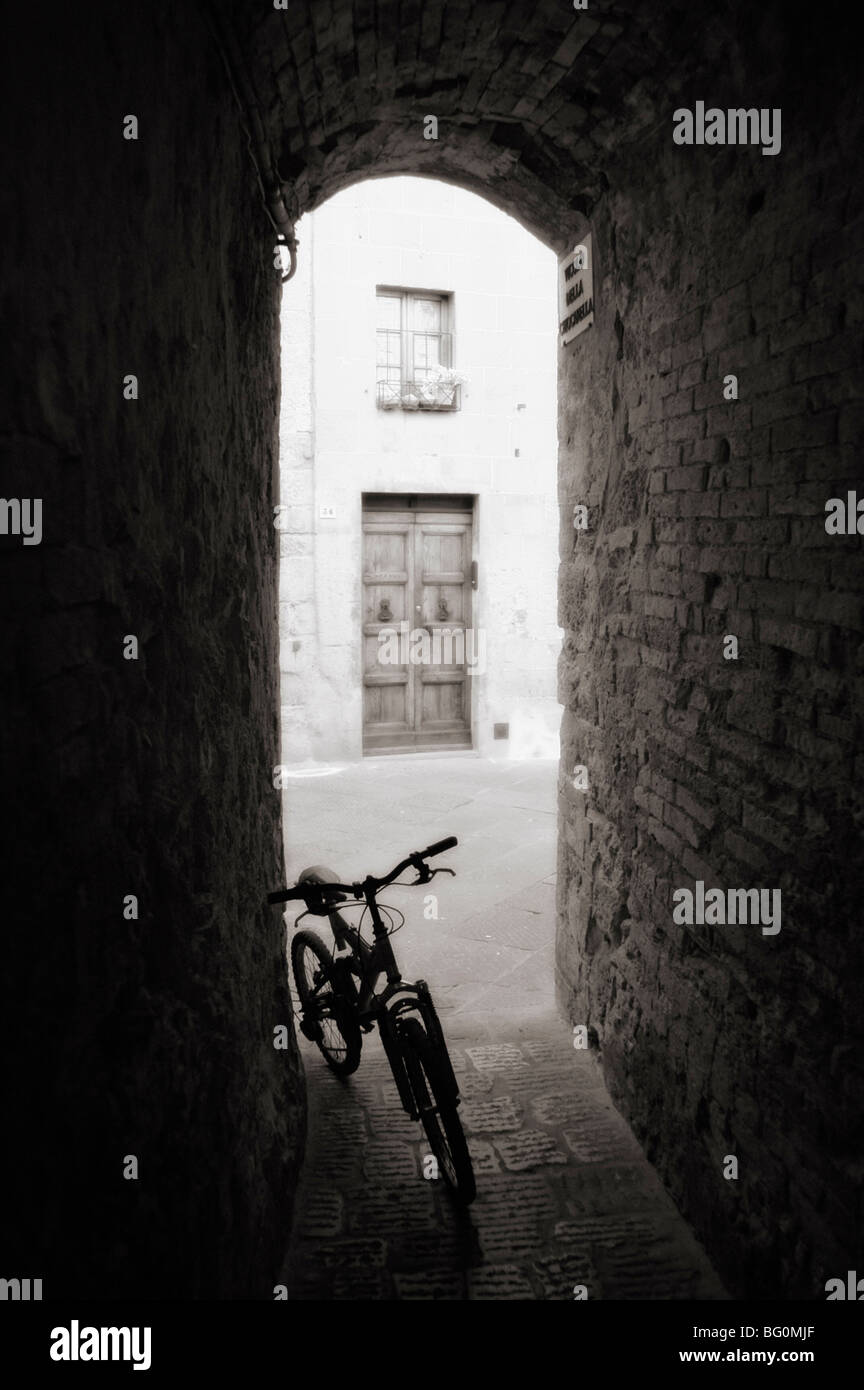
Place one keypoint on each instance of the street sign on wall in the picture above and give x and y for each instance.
(576, 291)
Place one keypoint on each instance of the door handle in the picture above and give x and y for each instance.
(473, 574)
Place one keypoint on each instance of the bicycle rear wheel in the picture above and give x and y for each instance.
(328, 1018)
(429, 1075)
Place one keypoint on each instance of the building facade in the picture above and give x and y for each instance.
(418, 480)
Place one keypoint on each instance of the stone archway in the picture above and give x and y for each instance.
(709, 263)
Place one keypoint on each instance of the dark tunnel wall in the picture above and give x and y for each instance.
(154, 1037)
(150, 1037)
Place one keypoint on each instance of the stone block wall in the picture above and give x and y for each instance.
(500, 446)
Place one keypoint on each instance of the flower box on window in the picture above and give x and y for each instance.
(389, 395)
(436, 395)
(438, 390)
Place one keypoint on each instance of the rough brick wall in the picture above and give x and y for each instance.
(150, 1037)
(530, 98)
(707, 518)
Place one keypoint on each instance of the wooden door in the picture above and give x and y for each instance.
(416, 616)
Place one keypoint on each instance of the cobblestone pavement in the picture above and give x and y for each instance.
(565, 1196)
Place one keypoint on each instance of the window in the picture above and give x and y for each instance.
(415, 351)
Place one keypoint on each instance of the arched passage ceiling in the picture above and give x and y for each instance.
(535, 100)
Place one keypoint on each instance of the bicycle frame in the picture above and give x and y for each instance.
(398, 998)
(374, 961)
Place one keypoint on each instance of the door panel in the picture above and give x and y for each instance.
(442, 570)
(417, 593)
(388, 695)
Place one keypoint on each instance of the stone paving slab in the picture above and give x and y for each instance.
(565, 1195)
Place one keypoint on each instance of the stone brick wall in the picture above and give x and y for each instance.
(150, 1037)
(707, 518)
(500, 446)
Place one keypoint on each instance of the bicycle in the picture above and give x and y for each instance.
(339, 1002)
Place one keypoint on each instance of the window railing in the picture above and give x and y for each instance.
(415, 372)
(418, 395)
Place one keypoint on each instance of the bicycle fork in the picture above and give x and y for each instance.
(417, 999)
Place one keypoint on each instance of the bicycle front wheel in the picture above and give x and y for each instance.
(429, 1076)
(328, 1017)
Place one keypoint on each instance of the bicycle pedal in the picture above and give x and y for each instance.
(366, 1027)
(309, 1028)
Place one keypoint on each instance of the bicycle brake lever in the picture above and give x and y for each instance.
(433, 872)
(428, 874)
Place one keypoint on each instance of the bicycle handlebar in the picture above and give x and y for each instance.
(283, 895)
(439, 847)
(322, 890)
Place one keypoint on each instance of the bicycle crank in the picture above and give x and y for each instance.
(311, 1029)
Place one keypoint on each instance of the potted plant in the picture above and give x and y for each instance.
(439, 388)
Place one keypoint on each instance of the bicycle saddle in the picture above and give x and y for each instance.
(319, 873)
